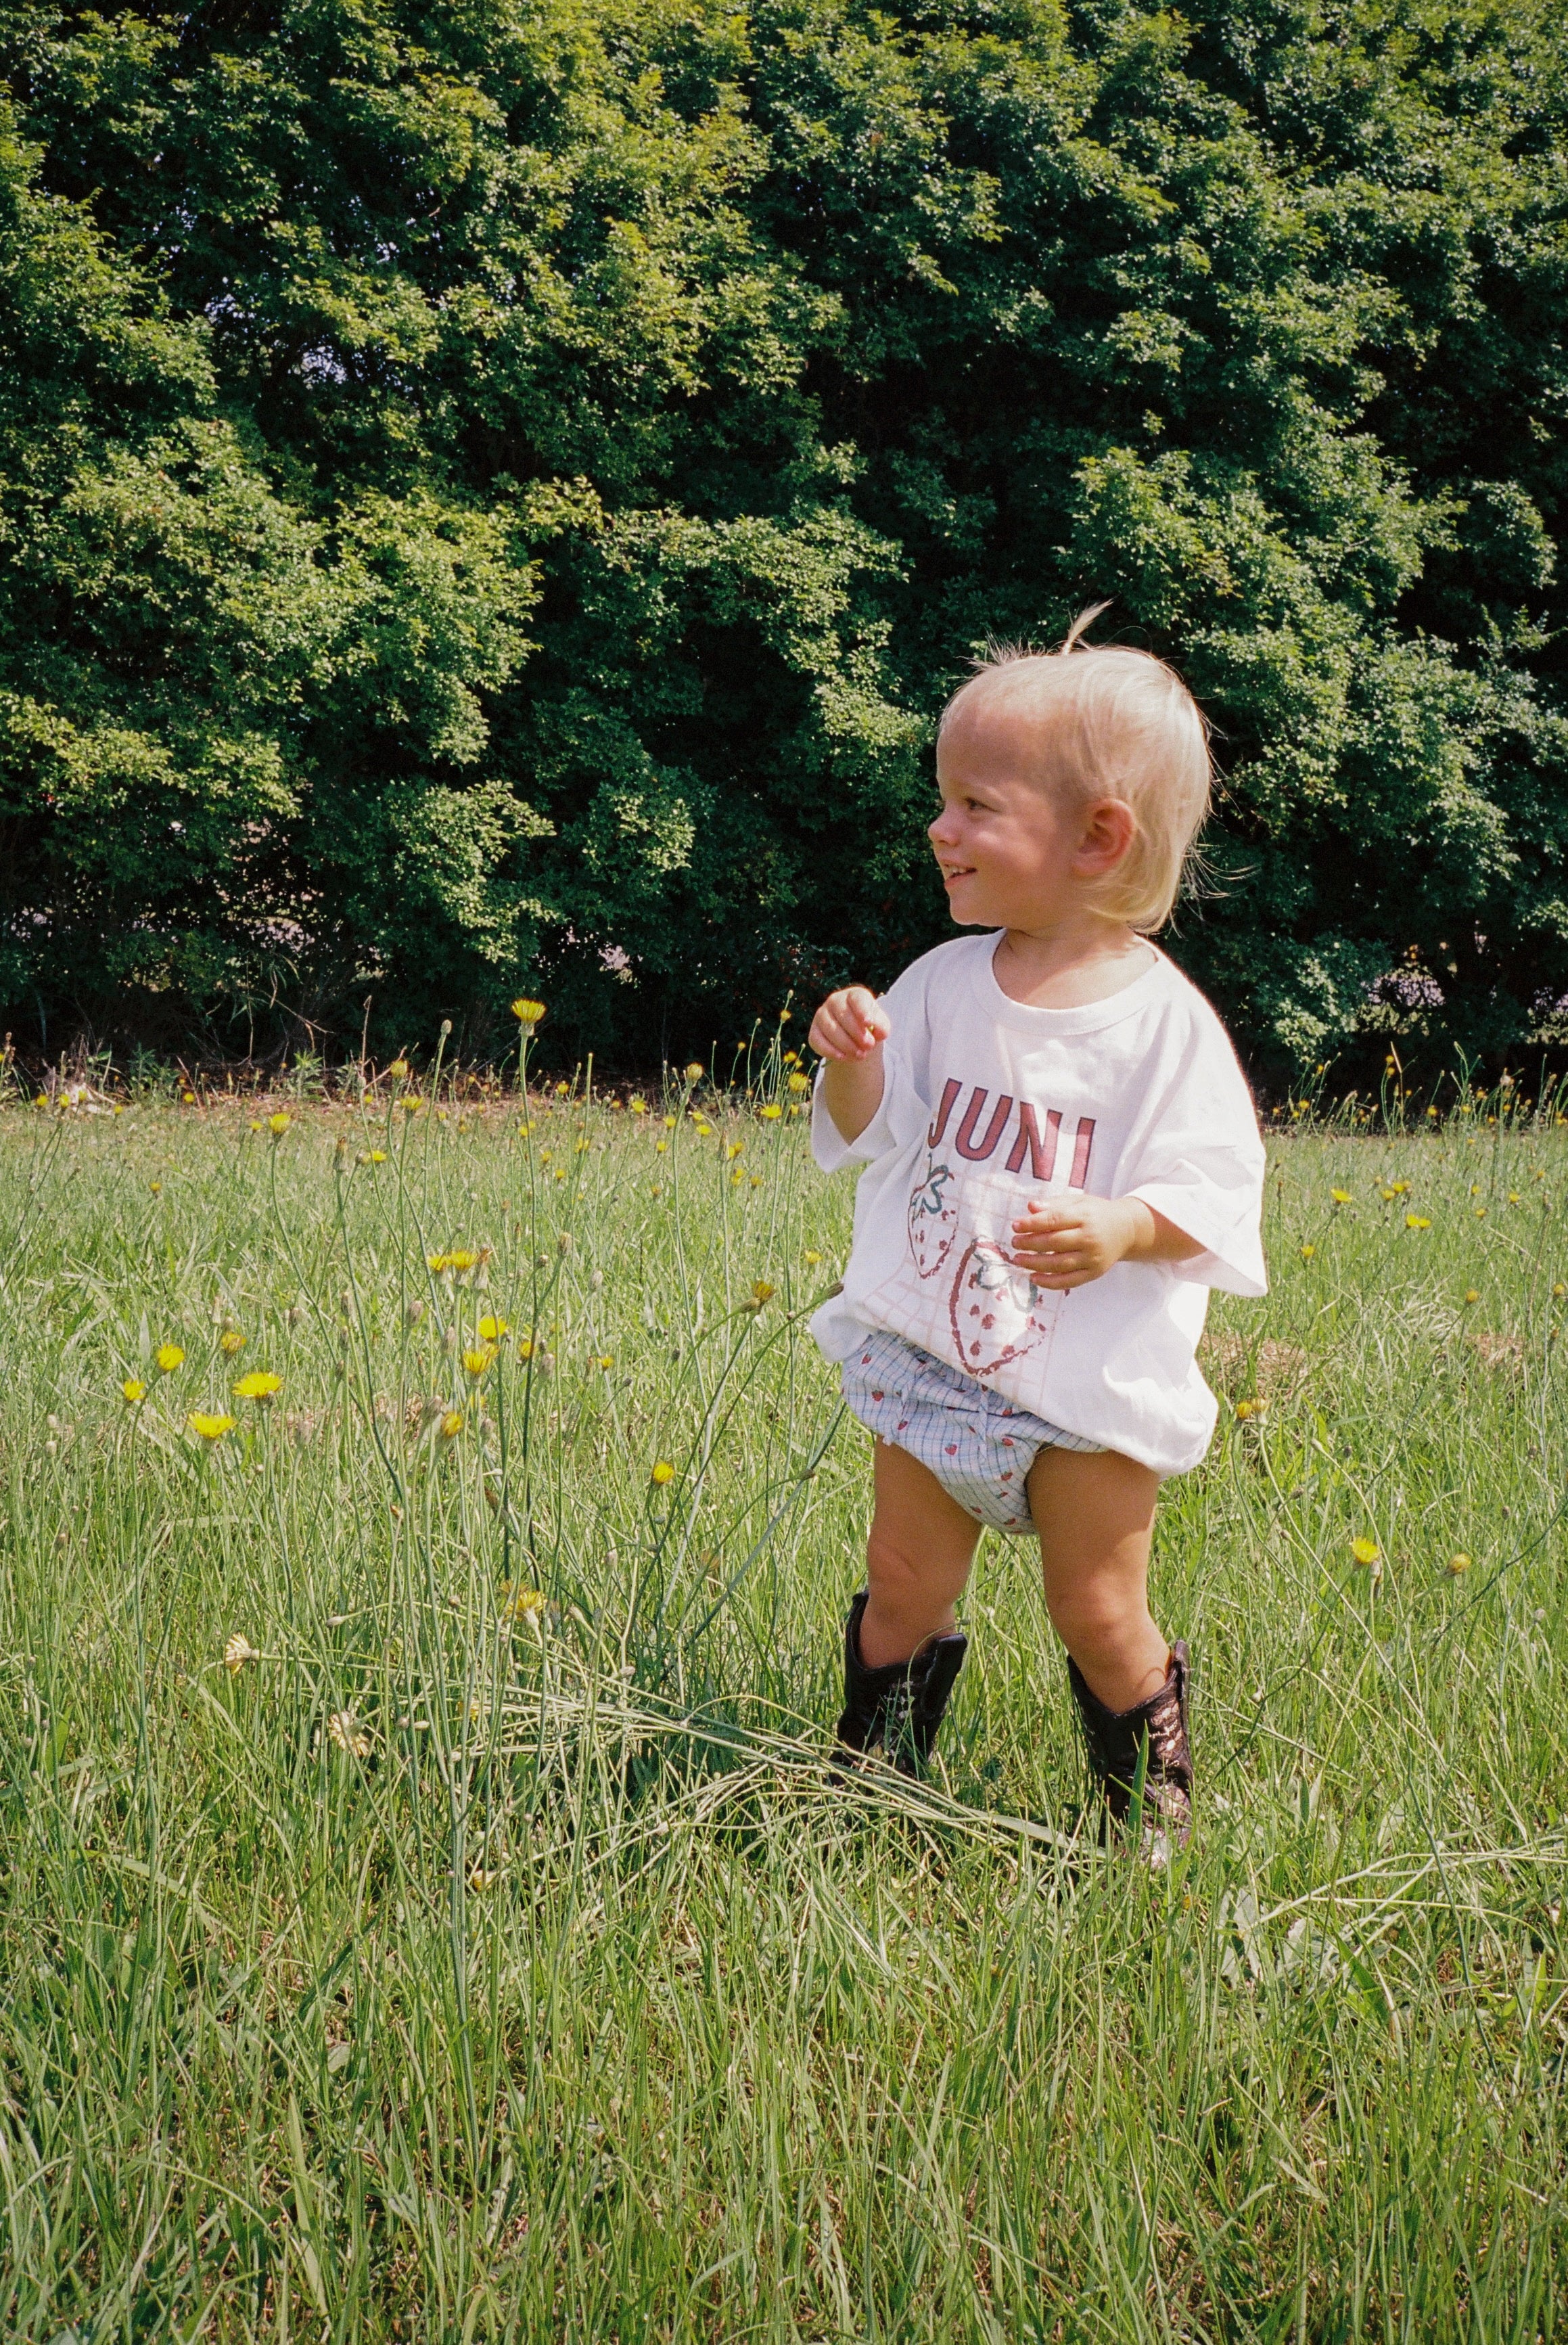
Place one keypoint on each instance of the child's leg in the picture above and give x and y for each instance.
(1095, 1515)
(917, 1558)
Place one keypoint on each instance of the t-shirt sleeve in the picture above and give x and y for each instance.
(1201, 1163)
(906, 1110)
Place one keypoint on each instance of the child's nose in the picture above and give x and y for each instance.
(941, 831)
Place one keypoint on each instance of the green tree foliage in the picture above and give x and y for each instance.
(498, 495)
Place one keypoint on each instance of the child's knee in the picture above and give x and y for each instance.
(890, 1569)
(1096, 1613)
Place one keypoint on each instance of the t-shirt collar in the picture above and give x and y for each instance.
(1087, 1018)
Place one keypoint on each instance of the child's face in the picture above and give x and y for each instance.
(1010, 856)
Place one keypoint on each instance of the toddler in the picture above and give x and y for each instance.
(1062, 1158)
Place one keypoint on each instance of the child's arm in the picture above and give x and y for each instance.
(849, 1031)
(1066, 1245)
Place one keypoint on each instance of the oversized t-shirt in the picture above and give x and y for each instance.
(989, 1103)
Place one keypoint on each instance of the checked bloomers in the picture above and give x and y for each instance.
(978, 1446)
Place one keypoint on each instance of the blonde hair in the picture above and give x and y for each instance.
(1111, 722)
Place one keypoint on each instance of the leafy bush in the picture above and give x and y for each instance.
(499, 495)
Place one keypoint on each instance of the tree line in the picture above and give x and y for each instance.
(492, 497)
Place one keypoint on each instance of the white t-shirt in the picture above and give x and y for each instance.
(989, 1103)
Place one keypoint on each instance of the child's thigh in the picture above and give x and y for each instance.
(916, 1525)
(1094, 1511)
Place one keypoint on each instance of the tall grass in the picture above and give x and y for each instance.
(494, 1957)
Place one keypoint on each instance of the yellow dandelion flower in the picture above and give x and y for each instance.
(169, 1356)
(1560, 1290)
(133, 1389)
(210, 1428)
(449, 1424)
(1480, 1213)
(461, 1259)
(1417, 1221)
(1308, 1252)
(348, 1734)
(526, 1012)
(670, 1121)
(399, 1069)
(799, 1083)
(733, 1147)
(1245, 1410)
(492, 1330)
(1340, 1197)
(188, 1099)
(378, 1156)
(1366, 1550)
(1472, 1294)
(1514, 1198)
(772, 1113)
(475, 1363)
(480, 1879)
(663, 1471)
(660, 1148)
(607, 1359)
(236, 1652)
(1459, 1565)
(259, 1384)
(521, 1602)
(695, 1071)
(278, 1124)
(231, 1341)
(637, 1106)
(762, 1293)
(157, 1188)
(812, 1256)
(42, 1100)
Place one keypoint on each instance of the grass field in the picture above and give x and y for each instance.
(481, 1950)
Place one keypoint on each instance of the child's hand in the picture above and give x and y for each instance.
(1065, 1244)
(850, 1025)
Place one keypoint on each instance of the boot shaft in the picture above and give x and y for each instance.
(1115, 1742)
(896, 1708)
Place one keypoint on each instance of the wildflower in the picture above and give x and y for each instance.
(799, 1083)
(607, 1359)
(480, 1879)
(231, 1341)
(1472, 1294)
(399, 1069)
(493, 1330)
(42, 1100)
(157, 1188)
(762, 1293)
(278, 1124)
(1340, 1197)
(1513, 1196)
(660, 1148)
(1245, 1410)
(168, 1357)
(663, 1471)
(733, 1147)
(1417, 1221)
(133, 1389)
(259, 1384)
(1480, 1213)
(1459, 1565)
(211, 1428)
(772, 1113)
(1560, 1290)
(256, 1123)
(1366, 1551)
(376, 1156)
(695, 1071)
(1386, 1193)
(348, 1734)
(637, 1106)
(518, 1602)
(1308, 1252)
(670, 1122)
(449, 1424)
(188, 1099)
(236, 1652)
(475, 1363)
(812, 1256)
(526, 1012)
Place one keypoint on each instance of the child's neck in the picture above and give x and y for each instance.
(1069, 963)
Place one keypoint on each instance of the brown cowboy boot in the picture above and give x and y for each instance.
(899, 1707)
(1115, 1741)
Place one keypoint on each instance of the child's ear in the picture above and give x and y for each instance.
(1109, 826)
